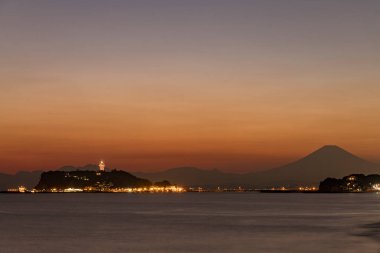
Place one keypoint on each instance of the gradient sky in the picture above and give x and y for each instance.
(149, 85)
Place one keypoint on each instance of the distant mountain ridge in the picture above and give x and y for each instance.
(328, 161)
(192, 176)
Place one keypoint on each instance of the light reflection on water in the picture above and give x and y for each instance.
(190, 222)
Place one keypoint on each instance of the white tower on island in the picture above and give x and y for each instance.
(102, 166)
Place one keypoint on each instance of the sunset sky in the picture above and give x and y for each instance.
(149, 85)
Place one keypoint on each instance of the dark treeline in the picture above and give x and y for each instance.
(351, 183)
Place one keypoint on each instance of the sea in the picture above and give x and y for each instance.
(189, 222)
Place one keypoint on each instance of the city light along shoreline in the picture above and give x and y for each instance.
(153, 189)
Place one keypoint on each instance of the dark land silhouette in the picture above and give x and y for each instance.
(29, 179)
(328, 161)
(351, 183)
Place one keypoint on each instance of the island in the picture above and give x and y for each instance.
(99, 181)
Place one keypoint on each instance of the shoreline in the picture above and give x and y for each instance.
(216, 192)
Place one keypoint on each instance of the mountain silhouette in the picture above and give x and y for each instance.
(328, 161)
(25, 178)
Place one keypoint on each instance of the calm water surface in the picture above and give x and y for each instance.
(189, 222)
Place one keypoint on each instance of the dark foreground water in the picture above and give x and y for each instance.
(189, 222)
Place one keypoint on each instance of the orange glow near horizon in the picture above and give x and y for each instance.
(229, 87)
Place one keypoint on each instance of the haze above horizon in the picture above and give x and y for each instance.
(148, 85)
